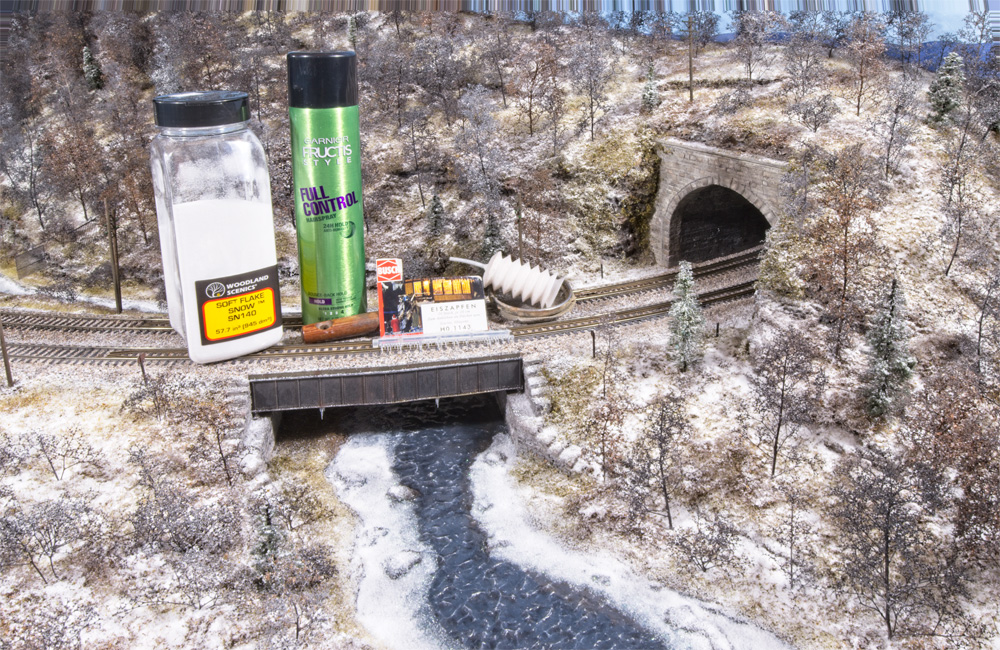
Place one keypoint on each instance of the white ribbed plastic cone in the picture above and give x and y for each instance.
(522, 281)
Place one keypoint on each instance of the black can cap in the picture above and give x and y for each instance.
(322, 79)
(209, 108)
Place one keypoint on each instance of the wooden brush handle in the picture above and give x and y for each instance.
(341, 328)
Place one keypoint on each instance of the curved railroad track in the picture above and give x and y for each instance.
(67, 354)
(100, 323)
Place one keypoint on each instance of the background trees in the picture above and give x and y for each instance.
(754, 32)
(865, 50)
(850, 191)
(891, 565)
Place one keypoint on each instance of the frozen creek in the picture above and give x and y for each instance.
(446, 557)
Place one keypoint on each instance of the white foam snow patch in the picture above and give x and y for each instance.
(149, 306)
(392, 605)
(12, 287)
(502, 515)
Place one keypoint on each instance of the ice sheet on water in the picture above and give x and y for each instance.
(502, 514)
(392, 605)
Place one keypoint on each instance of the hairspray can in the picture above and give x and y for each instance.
(326, 179)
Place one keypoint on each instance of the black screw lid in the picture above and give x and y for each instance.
(210, 108)
(322, 79)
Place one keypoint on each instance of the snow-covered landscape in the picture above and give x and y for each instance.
(815, 466)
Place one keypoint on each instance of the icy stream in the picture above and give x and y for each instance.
(446, 557)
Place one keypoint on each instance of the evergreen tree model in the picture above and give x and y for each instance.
(650, 93)
(686, 320)
(435, 214)
(889, 361)
(352, 32)
(92, 71)
(492, 239)
(945, 92)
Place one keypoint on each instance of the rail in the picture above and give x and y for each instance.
(159, 323)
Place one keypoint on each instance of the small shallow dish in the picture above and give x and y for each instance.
(519, 312)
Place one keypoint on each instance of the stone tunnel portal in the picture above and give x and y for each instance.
(714, 221)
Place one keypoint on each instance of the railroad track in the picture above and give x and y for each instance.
(98, 323)
(40, 352)
(665, 280)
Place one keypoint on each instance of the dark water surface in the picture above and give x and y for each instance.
(479, 601)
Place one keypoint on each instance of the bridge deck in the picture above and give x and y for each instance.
(385, 385)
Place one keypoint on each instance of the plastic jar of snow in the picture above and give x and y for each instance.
(213, 208)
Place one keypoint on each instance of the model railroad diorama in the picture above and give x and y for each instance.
(514, 330)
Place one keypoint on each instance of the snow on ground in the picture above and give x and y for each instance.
(387, 541)
(12, 287)
(501, 512)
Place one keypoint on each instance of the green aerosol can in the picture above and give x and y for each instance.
(326, 175)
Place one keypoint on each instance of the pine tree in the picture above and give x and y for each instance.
(650, 93)
(686, 320)
(352, 32)
(92, 71)
(435, 214)
(945, 92)
(889, 362)
(492, 240)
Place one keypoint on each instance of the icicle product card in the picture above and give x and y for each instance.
(386, 270)
(432, 306)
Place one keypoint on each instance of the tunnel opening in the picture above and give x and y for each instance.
(714, 221)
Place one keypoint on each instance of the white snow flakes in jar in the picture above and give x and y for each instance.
(213, 209)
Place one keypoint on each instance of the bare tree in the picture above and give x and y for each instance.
(754, 32)
(390, 73)
(865, 51)
(498, 49)
(22, 161)
(41, 531)
(835, 31)
(169, 518)
(483, 161)
(815, 112)
(65, 450)
(908, 31)
(893, 124)
(710, 543)
(292, 503)
(535, 77)
(958, 187)
(796, 531)
(784, 390)
(611, 406)
(666, 430)
(416, 136)
(590, 66)
(848, 254)
(952, 437)
(704, 27)
(441, 71)
(889, 565)
(988, 303)
(802, 56)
